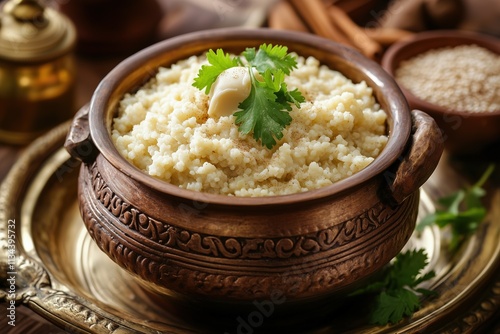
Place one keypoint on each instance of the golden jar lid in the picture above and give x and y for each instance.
(32, 32)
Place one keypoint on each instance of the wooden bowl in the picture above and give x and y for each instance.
(214, 248)
(463, 132)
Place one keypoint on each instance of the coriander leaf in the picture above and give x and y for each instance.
(219, 62)
(462, 211)
(426, 292)
(426, 221)
(266, 109)
(472, 198)
(270, 57)
(396, 290)
(294, 96)
(482, 180)
(444, 218)
(249, 55)
(453, 202)
(407, 267)
(261, 114)
(464, 224)
(284, 96)
(387, 309)
(467, 221)
(427, 276)
(370, 288)
(274, 79)
(393, 307)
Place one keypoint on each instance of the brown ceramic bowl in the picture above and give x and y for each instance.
(463, 132)
(294, 248)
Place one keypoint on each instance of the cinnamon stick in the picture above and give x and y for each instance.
(315, 15)
(388, 36)
(283, 16)
(355, 33)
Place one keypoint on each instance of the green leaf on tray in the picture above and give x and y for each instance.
(394, 306)
(462, 211)
(396, 292)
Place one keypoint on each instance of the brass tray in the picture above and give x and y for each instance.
(63, 276)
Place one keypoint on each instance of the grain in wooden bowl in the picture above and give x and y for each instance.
(454, 76)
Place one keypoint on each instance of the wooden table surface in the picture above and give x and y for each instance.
(90, 71)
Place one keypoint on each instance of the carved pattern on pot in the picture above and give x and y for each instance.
(167, 274)
(242, 248)
(299, 278)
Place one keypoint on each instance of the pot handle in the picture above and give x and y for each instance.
(78, 142)
(419, 160)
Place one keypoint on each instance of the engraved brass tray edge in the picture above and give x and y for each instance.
(35, 286)
(40, 289)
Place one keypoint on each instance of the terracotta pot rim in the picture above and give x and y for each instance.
(430, 40)
(395, 147)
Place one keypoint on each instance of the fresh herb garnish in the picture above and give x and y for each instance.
(396, 292)
(462, 211)
(219, 62)
(266, 109)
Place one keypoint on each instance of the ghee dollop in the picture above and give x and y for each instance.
(228, 91)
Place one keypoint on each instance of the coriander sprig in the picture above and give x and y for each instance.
(462, 211)
(397, 294)
(265, 111)
(219, 62)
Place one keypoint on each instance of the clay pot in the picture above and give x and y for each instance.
(299, 247)
(463, 132)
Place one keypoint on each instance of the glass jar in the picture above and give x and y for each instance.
(37, 70)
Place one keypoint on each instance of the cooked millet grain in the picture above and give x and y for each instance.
(164, 130)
